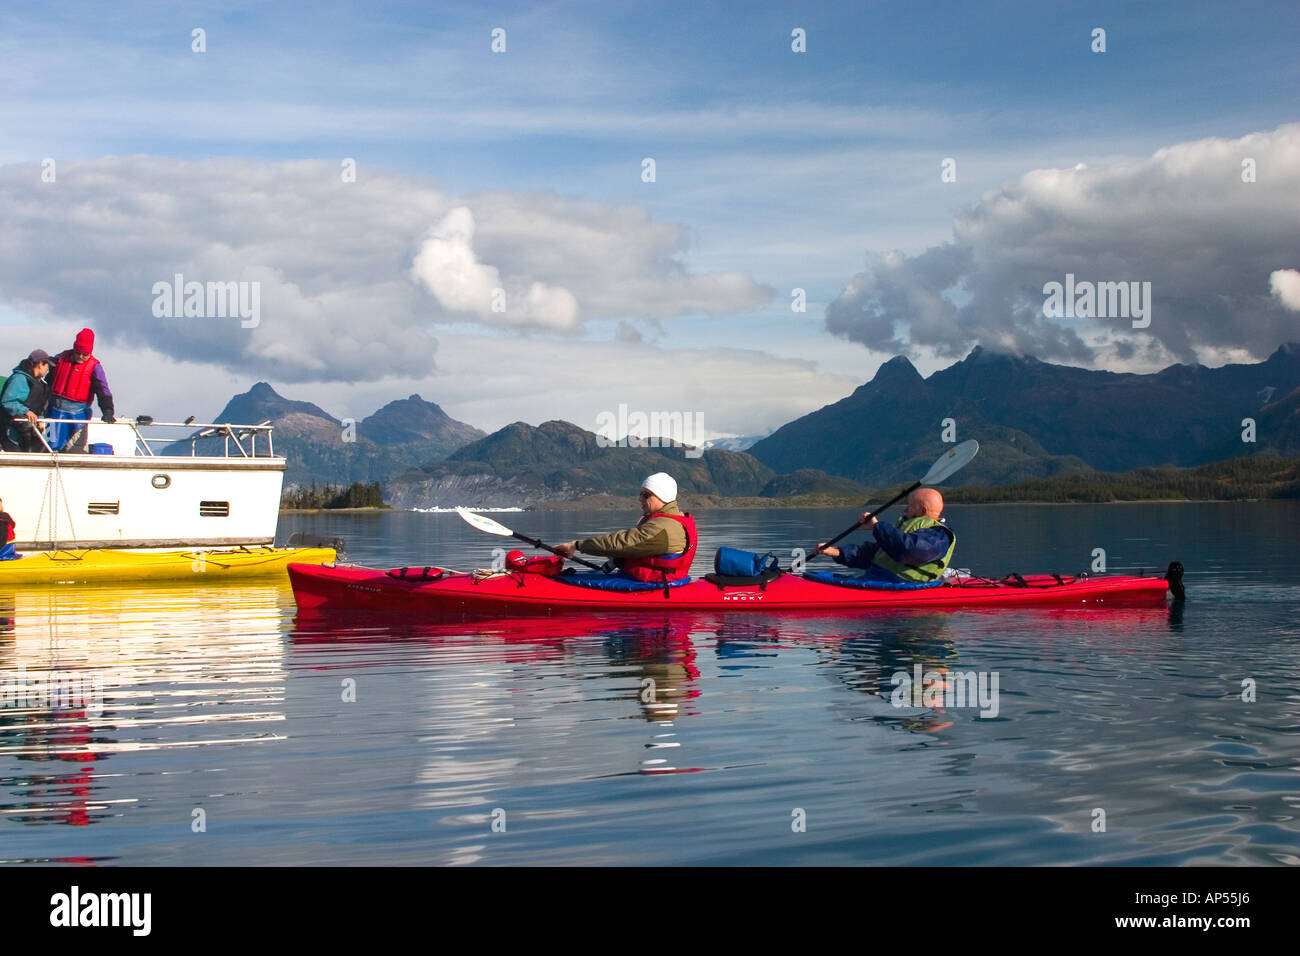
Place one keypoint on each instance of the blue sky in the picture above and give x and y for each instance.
(788, 169)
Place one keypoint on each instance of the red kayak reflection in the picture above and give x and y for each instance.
(661, 653)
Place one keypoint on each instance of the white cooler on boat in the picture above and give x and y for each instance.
(120, 436)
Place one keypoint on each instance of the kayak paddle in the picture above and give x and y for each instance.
(950, 462)
(494, 527)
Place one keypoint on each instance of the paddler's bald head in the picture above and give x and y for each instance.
(924, 501)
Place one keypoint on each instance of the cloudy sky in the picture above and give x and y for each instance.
(499, 249)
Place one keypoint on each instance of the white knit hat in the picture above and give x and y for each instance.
(661, 486)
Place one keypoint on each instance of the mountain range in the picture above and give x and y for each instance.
(1033, 420)
(523, 465)
(322, 449)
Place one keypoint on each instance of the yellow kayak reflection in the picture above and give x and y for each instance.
(90, 673)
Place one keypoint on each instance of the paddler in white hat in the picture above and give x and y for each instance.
(659, 548)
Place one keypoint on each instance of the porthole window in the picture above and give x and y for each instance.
(161, 481)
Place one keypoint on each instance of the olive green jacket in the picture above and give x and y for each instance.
(649, 540)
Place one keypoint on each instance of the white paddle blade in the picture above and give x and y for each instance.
(484, 524)
(953, 460)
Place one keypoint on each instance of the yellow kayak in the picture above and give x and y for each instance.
(111, 566)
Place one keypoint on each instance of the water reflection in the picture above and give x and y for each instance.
(89, 674)
(654, 659)
(868, 658)
(563, 724)
(1176, 609)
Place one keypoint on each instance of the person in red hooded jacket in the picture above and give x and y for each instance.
(76, 378)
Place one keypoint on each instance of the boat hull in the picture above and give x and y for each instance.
(459, 595)
(62, 502)
(196, 565)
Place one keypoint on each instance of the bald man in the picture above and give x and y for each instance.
(915, 550)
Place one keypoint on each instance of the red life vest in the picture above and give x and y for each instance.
(666, 567)
(72, 379)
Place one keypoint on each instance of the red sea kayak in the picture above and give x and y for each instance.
(434, 594)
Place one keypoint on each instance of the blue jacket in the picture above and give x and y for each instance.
(15, 399)
(917, 547)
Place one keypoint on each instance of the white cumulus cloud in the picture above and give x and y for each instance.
(449, 268)
(354, 276)
(1185, 219)
(1285, 286)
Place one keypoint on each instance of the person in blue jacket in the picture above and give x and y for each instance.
(915, 550)
(22, 402)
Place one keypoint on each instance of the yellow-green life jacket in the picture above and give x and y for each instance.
(917, 572)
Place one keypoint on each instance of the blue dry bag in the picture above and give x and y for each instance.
(734, 563)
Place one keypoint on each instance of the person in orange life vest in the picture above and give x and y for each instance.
(659, 548)
(7, 552)
(78, 376)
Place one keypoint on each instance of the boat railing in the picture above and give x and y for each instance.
(230, 434)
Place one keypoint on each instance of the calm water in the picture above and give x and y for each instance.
(221, 733)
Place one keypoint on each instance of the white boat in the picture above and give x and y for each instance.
(136, 498)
